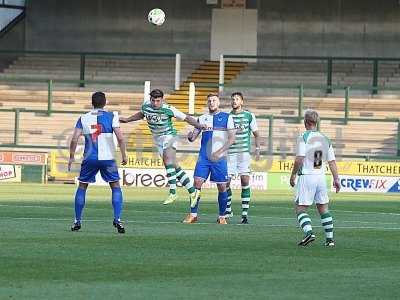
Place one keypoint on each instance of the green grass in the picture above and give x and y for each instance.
(160, 258)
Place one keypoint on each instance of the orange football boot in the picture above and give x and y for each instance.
(189, 219)
(222, 221)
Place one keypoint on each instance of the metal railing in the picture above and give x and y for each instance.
(329, 60)
(83, 55)
(300, 87)
(270, 138)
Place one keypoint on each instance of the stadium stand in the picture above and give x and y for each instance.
(313, 73)
(41, 129)
(119, 69)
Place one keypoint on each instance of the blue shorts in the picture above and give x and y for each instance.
(217, 170)
(108, 170)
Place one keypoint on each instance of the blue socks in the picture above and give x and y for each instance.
(117, 202)
(222, 201)
(79, 203)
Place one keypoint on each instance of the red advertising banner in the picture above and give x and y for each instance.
(23, 158)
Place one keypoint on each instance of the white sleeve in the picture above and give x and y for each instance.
(331, 154)
(178, 114)
(300, 146)
(253, 123)
(230, 125)
(115, 121)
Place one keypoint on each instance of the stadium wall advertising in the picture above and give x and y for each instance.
(10, 173)
(281, 181)
(361, 168)
(23, 158)
(371, 184)
(157, 178)
(147, 160)
(146, 169)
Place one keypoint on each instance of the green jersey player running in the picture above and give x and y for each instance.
(158, 115)
(239, 153)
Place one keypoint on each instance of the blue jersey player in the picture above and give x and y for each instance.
(212, 161)
(98, 127)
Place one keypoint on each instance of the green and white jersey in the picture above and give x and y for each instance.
(316, 149)
(245, 123)
(159, 120)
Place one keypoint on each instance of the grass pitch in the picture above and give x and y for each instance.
(160, 258)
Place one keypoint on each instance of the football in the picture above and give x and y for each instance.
(156, 16)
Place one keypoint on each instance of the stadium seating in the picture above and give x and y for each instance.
(40, 129)
(262, 74)
(332, 107)
(160, 71)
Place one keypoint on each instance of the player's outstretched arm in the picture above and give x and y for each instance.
(72, 146)
(298, 162)
(121, 145)
(135, 117)
(192, 135)
(192, 121)
(333, 168)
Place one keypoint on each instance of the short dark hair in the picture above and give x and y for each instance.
(157, 93)
(98, 100)
(237, 94)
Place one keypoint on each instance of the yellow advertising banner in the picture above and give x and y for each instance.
(369, 168)
(153, 161)
(344, 167)
(187, 161)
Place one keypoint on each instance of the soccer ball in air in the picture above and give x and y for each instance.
(156, 17)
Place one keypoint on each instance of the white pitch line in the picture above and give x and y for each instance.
(347, 211)
(180, 213)
(163, 212)
(200, 223)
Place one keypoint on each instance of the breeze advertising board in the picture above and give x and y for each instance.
(131, 177)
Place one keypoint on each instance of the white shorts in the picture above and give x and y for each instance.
(239, 163)
(310, 188)
(165, 141)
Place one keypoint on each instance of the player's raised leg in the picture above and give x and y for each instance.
(169, 158)
(184, 179)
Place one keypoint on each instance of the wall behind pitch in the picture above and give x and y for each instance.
(14, 39)
(329, 27)
(285, 27)
(119, 26)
